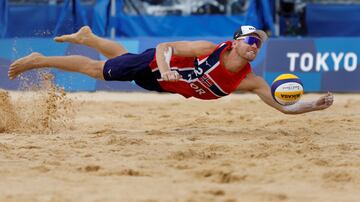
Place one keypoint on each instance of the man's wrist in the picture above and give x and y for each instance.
(301, 107)
(164, 71)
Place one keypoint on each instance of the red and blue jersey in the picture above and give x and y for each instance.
(203, 77)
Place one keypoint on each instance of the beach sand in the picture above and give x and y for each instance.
(158, 147)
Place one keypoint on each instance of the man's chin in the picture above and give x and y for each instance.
(250, 59)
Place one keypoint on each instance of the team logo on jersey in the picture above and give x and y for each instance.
(206, 80)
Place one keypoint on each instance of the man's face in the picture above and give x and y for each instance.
(247, 47)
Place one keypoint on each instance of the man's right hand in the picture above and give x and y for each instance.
(324, 101)
(171, 76)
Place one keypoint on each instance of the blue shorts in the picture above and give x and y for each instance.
(133, 67)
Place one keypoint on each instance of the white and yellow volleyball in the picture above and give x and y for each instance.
(287, 89)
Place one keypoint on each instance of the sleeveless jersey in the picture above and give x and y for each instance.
(203, 77)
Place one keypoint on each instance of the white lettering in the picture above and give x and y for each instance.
(306, 62)
(192, 85)
(292, 57)
(197, 89)
(350, 56)
(337, 60)
(321, 62)
(200, 91)
(198, 71)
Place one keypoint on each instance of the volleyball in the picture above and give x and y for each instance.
(287, 89)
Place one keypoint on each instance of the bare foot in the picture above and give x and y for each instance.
(79, 37)
(24, 64)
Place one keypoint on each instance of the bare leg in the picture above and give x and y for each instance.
(73, 63)
(84, 36)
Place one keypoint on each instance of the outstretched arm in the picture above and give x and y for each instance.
(258, 85)
(164, 51)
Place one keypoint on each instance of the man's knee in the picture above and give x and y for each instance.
(96, 69)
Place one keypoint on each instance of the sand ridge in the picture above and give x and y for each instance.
(161, 147)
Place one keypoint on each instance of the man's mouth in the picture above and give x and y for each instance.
(252, 52)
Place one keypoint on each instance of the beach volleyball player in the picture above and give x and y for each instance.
(198, 69)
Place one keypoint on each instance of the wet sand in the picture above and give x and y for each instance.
(156, 147)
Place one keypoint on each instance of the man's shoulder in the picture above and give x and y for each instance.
(224, 43)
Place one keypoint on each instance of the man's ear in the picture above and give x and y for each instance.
(233, 43)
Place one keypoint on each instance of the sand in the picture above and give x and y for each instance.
(156, 147)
